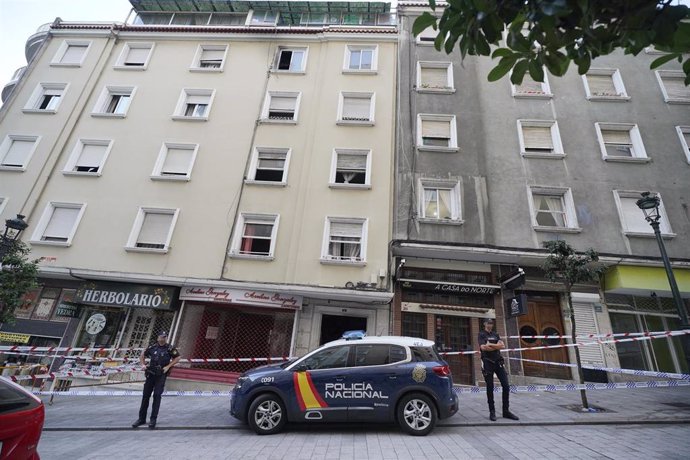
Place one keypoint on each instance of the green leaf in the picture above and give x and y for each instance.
(536, 71)
(432, 4)
(422, 22)
(686, 66)
(503, 67)
(482, 46)
(583, 64)
(662, 60)
(501, 52)
(519, 71)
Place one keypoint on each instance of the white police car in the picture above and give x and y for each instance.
(356, 379)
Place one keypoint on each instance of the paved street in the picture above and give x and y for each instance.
(641, 423)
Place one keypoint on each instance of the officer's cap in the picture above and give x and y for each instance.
(489, 321)
(162, 334)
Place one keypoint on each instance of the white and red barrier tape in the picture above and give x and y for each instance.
(31, 348)
(613, 370)
(80, 373)
(595, 336)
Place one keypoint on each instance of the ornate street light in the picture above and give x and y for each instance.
(13, 230)
(649, 204)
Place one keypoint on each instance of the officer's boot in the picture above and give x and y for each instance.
(492, 415)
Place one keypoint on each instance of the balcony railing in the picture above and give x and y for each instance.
(7, 90)
(34, 41)
(264, 18)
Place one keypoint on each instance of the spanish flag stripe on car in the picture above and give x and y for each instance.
(307, 396)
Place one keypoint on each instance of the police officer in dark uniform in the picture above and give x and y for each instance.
(490, 344)
(162, 356)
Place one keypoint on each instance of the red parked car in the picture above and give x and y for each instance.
(21, 422)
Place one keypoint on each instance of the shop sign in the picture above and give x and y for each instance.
(15, 338)
(516, 306)
(126, 295)
(452, 288)
(240, 296)
(68, 310)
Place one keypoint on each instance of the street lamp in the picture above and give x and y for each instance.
(13, 229)
(649, 204)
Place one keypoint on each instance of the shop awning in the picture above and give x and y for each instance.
(636, 280)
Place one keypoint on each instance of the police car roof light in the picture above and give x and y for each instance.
(354, 335)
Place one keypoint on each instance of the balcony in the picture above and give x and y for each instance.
(34, 42)
(7, 90)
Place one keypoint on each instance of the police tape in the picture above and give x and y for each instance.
(599, 336)
(80, 373)
(459, 390)
(613, 370)
(31, 348)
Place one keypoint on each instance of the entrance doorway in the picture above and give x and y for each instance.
(333, 326)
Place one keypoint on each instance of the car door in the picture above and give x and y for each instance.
(319, 381)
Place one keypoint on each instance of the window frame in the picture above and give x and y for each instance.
(276, 61)
(426, 34)
(242, 220)
(128, 46)
(62, 51)
(450, 89)
(356, 95)
(156, 174)
(48, 211)
(545, 86)
(665, 223)
(196, 62)
(572, 225)
(5, 149)
(558, 152)
(618, 84)
(361, 47)
(254, 162)
(77, 150)
(181, 107)
(267, 104)
(334, 166)
(39, 92)
(131, 245)
(681, 130)
(104, 100)
(673, 74)
(452, 119)
(250, 18)
(639, 152)
(455, 204)
(327, 259)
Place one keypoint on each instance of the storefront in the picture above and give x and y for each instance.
(220, 322)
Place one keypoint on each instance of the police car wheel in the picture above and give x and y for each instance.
(267, 414)
(416, 414)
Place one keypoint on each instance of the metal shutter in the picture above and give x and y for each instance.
(586, 323)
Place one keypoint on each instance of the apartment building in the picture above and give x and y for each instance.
(486, 172)
(220, 169)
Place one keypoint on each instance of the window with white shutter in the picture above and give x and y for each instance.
(175, 161)
(434, 76)
(605, 85)
(351, 168)
(356, 108)
(46, 97)
(269, 165)
(194, 104)
(621, 142)
(530, 88)
(673, 86)
(88, 156)
(71, 53)
(134, 56)
(114, 102)
(210, 58)
(256, 236)
(436, 133)
(632, 218)
(281, 107)
(585, 320)
(16, 151)
(344, 240)
(58, 223)
(153, 229)
(539, 139)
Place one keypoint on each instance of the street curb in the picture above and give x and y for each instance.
(450, 425)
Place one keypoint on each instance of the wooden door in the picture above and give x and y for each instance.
(543, 318)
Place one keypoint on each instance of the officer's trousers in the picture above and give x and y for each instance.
(489, 368)
(154, 384)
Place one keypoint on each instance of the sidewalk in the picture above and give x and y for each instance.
(639, 406)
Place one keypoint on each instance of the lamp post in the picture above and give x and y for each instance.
(649, 204)
(13, 230)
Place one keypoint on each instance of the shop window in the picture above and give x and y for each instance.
(46, 303)
(29, 301)
(413, 325)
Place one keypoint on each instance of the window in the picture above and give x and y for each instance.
(360, 59)
(427, 37)
(281, 107)
(673, 87)
(114, 102)
(552, 209)
(194, 104)
(345, 240)
(684, 135)
(530, 88)
(435, 77)
(264, 18)
(539, 139)
(152, 230)
(58, 223)
(440, 201)
(175, 161)
(436, 133)
(135, 56)
(210, 58)
(256, 237)
(351, 168)
(604, 85)
(356, 108)
(620, 142)
(330, 358)
(378, 355)
(632, 218)
(16, 151)
(269, 165)
(46, 98)
(291, 60)
(88, 157)
(71, 53)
